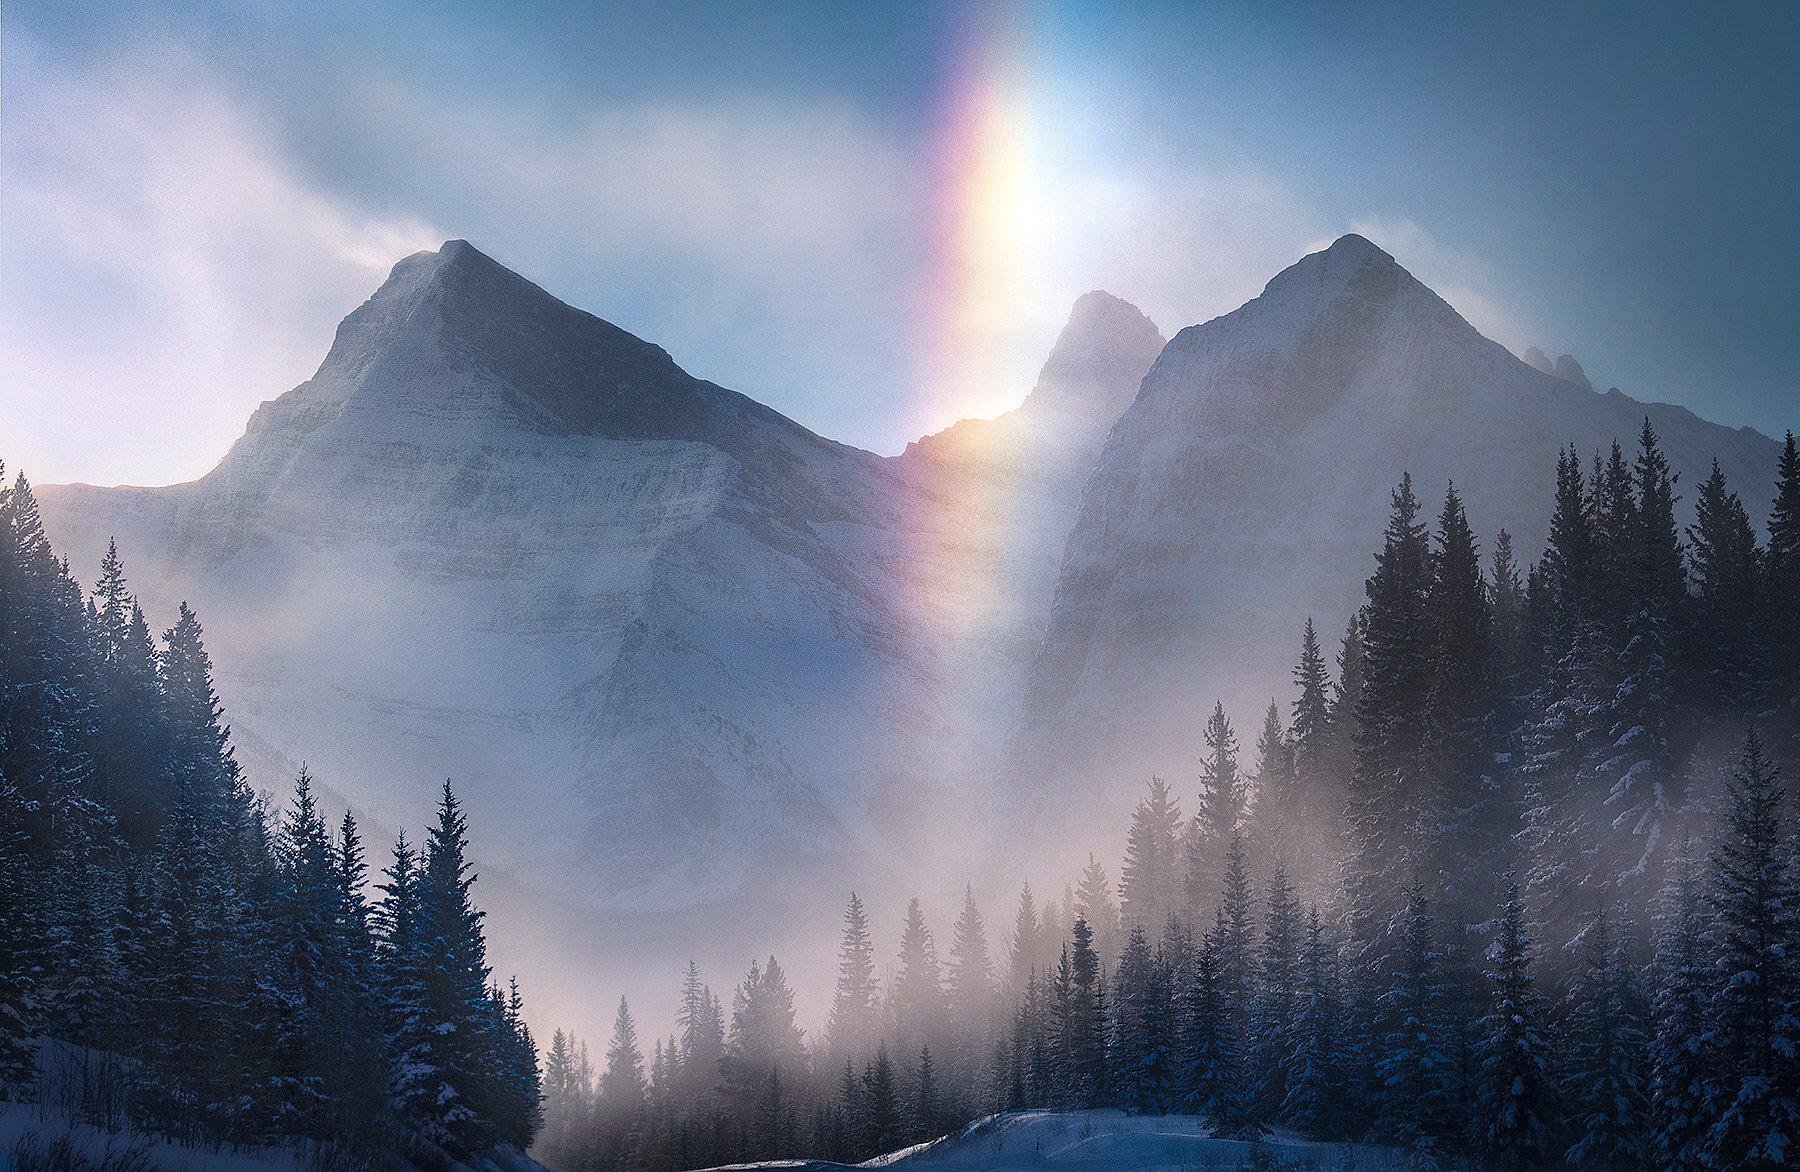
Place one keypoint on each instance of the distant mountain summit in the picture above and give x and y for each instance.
(662, 636)
(673, 646)
(1247, 486)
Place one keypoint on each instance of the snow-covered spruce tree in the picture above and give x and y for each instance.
(1756, 950)
(518, 1111)
(1508, 604)
(1275, 1008)
(1388, 788)
(192, 1042)
(1781, 570)
(621, 1091)
(701, 1024)
(310, 970)
(1219, 818)
(1638, 770)
(563, 1102)
(1461, 825)
(1565, 817)
(925, 1113)
(918, 993)
(763, 1057)
(1082, 1039)
(1150, 880)
(1411, 1066)
(1025, 946)
(881, 1097)
(1237, 940)
(1314, 1104)
(1094, 902)
(1682, 1057)
(356, 1067)
(851, 1029)
(448, 1068)
(1312, 711)
(130, 772)
(1141, 1042)
(1519, 1108)
(1727, 578)
(969, 994)
(1277, 819)
(1211, 1082)
(1604, 1080)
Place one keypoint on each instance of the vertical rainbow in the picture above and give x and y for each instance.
(986, 217)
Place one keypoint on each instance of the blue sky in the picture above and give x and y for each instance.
(191, 195)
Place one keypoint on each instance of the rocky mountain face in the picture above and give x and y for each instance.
(670, 643)
(659, 634)
(1246, 489)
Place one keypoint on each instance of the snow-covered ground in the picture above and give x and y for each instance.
(1111, 1141)
(32, 1136)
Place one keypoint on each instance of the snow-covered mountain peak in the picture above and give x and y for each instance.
(1106, 340)
(1090, 377)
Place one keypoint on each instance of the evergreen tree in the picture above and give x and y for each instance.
(453, 1087)
(1683, 1058)
(1276, 818)
(1094, 903)
(1518, 1104)
(1756, 947)
(918, 987)
(1781, 568)
(1313, 1103)
(1212, 1083)
(1727, 574)
(1153, 861)
(763, 1055)
(1388, 790)
(1638, 769)
(1220, 816)
(1604, 1084)
(970, 990)
(1026, 944)
(1237, 949)
(1083, 1032)
(1143, 1058)
(1413, 1067)
(1275, 1014)
(882, 1104)
(1510, 612)
(1312, 711)
(622, 1088)
(1461, 820)
(851, 1028)
(925, 1108)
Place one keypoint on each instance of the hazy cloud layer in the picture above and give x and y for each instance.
(166, 267)
(172, 261)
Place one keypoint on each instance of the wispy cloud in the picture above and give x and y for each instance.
(1458, 277)
(170, 262)
(167, 268)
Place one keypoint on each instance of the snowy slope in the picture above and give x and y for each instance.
(498, 539)
(666, 640)
(658, 634)
(1111, 1141)
(1247, 488)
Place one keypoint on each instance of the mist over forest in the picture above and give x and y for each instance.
(1506, 879)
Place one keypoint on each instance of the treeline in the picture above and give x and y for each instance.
(1518, 884)
(200, 966)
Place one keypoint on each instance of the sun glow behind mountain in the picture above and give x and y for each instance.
(990, 251)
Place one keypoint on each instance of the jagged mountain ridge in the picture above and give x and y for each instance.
(659, 633)
(1246, 488)
(664, 636)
